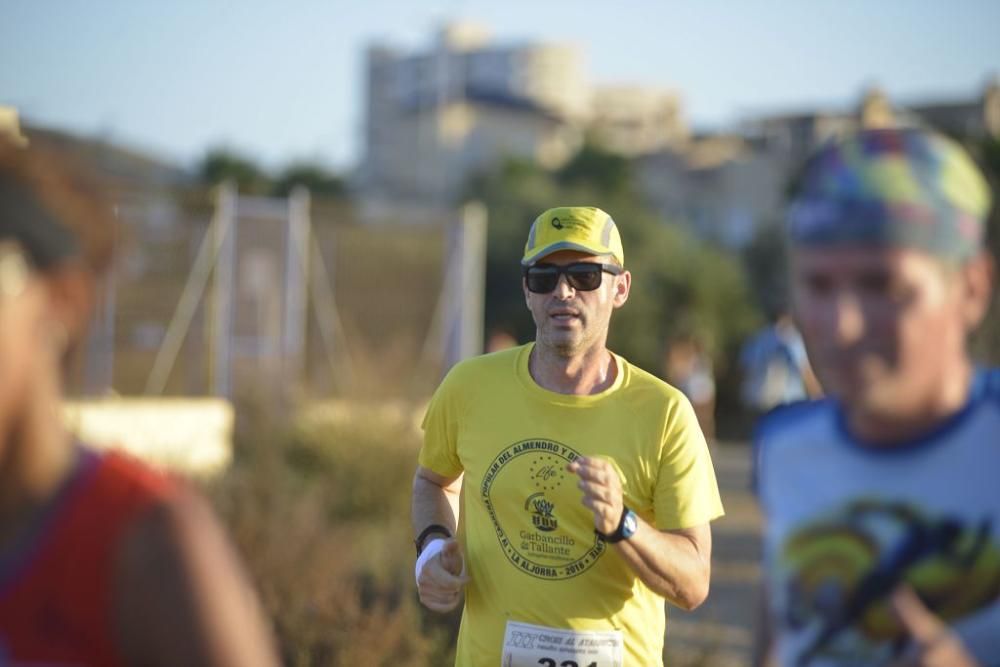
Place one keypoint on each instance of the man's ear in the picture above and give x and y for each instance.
(70, 290)
(623, 284)
(977, 276)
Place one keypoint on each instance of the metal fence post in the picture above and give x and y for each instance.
(464, 307)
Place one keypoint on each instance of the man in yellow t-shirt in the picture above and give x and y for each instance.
(584, 485)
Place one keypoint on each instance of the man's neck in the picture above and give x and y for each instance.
(889, 429)
(589, 372)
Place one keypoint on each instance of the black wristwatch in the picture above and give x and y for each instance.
(627, 526)
(427, 532)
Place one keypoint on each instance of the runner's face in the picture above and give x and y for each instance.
(882, 326)
(570, 321)
(21, 307)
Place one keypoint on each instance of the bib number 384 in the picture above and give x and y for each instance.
(526, 645)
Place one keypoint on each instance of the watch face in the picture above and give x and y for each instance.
(630, 524)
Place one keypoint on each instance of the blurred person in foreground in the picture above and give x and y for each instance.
(580, 486)
(881, 502)
(103, 561)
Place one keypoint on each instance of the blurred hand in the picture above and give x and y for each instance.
(602, 491)
(933, 644)
(440, 582)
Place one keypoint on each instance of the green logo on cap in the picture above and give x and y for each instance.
(556, 223)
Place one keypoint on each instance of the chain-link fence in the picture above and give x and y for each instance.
(270, 300)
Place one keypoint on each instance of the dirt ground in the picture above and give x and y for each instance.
(720, 632)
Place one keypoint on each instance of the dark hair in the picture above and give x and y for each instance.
(54, 209)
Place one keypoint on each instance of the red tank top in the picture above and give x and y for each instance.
(56, 594)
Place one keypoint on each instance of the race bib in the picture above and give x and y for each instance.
(526, 645)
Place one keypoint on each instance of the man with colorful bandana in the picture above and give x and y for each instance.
(882, 543)
(565, 491)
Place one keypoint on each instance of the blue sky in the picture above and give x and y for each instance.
(282, 81)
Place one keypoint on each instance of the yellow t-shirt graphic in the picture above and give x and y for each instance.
(529, 544)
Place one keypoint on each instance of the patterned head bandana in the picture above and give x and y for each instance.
(900, 187)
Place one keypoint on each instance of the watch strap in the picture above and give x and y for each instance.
(434, 528)
(619, 533)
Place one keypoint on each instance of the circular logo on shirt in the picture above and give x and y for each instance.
(533, 533)
(836, 571)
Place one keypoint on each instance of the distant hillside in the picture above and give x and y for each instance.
(121, 166)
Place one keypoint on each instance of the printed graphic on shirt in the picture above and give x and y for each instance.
(839, 572)
(534, 540)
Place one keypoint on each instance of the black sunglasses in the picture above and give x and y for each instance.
(582, 276)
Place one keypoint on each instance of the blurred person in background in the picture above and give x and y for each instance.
(775, 367)
(565, 491)
(103, 561)
(881, 502)
(499, 339)
(688, 367)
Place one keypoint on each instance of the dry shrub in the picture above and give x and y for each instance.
(320, 513)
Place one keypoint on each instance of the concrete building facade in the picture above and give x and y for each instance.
(435, 117)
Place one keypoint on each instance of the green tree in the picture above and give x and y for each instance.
(766, 261)
(680, 284)
(223, 164)
(314, 177)
(596, 168)
(986, 344)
